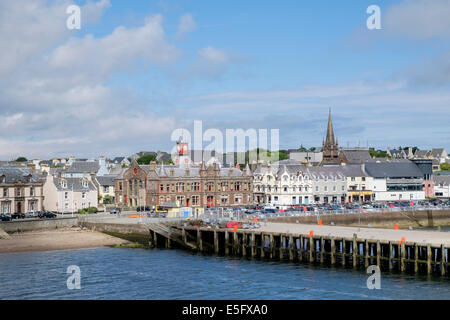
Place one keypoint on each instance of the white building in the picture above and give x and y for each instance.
(396, 181)
(69, 194)
(442, 186)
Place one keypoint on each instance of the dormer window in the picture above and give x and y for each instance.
(63, 184)
(85, 184)
(2, 179)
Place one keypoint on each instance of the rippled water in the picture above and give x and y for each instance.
(122, 273)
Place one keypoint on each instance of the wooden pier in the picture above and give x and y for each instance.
(320, 246)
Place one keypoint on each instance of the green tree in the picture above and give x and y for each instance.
(445, 166)
(21, 159)
(302, 149)
(146, 159)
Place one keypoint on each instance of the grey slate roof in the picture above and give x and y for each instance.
(356, 156)
(83, 167)
(77, 185)
(394, 169)
(441, 180)
(107, 180)
(422, 153)
(13, 174)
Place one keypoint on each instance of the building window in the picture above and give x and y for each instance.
(325, 188)
(83, 195)
(210, 186)
(66, 195)
(237, 186)
(196, 186)
(31, 191)
(5, 192)
(63, 184)
(19, 192)
(317, 188)
(179, 187)
(105, 189)
(224, 200)
(238, 198)
(195, 200)
(224, 186)
(353, 178)
(120, 186)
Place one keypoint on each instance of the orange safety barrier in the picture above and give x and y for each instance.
(401, 241)
(395, 226)
(320, 222)
(311, 233)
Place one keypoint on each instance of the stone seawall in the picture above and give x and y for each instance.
(42, 224)
(405, 219)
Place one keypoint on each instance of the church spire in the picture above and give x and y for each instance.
(329, 141)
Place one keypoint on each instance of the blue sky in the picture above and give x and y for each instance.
(122, 84)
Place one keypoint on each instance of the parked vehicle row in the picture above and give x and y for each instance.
(28, 215)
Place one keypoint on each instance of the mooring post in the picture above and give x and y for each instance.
(291, 248)
(311, 248)
(183, 235)
(343, 252)
(271, 246)
(429, 259)
(322, 249)
(150, 239)
(227, 243)
(390, 255)
(442, 260)
(333, 251)
(155, 238)
(281, 247)
(378, 254)
(253, 246)
(354, 249)
(199, 240)
(263, 243)
(244, 244)
(168, 243)
(403, 257)
(235, 244)
(416, 257)
(216, 242)
(366, 262)
(302, 244)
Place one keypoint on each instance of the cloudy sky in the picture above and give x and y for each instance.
(137, 70)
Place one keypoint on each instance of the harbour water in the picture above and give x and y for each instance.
(124, 273)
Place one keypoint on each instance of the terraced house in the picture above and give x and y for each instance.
(188, 185)
(21, 190)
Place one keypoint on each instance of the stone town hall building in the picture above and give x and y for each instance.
(185, 184)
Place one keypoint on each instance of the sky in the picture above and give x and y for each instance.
(138, 70)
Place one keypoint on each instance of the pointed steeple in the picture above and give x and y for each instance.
(329, 141)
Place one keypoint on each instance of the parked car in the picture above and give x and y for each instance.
(18, 215)
(48, 215)
(114, 211)
(5, 217)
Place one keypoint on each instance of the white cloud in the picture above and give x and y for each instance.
(186, 24)
(418, 19)
(55, 102)
(213, 56)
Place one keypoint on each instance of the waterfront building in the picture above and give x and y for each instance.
(290, 182)
(442, 186)
(106, 189)
(69, 194)
(21, 190)
(186, 184)
(396, 180)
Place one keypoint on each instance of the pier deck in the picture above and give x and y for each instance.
(384, 235)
